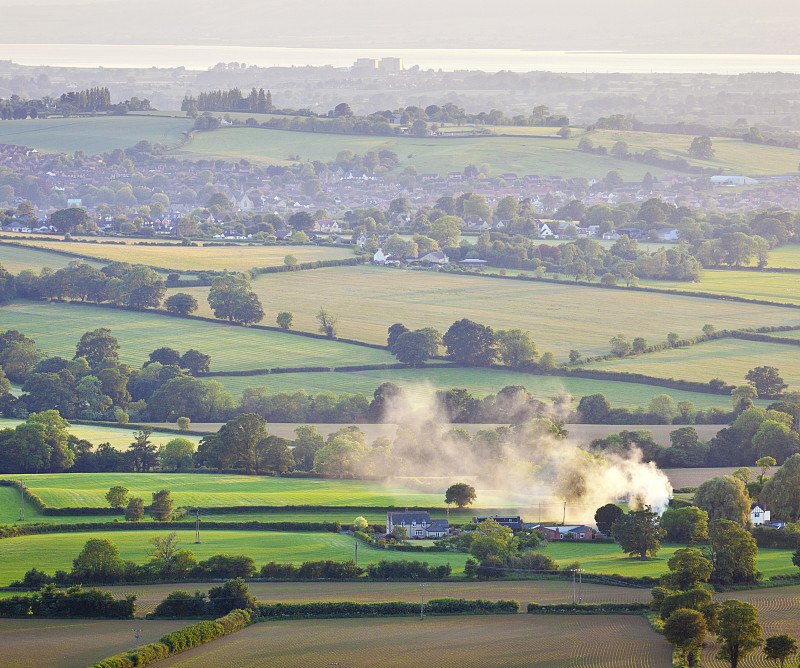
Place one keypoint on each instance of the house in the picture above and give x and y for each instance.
(576, 531)
(759, 514)
(513, 522)
(17, 227)
(667, 234)
(417, 524)
(722, 180)
(613, 235)
(434, 257)
(545, 231)
(631, 232)
(380, 257)
(244, 203)
(326, 225)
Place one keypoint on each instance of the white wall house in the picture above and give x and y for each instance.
(758, 514)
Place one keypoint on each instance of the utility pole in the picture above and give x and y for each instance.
(21, 502)
(540, 512)
(356, 544)
(573, 586)
(564, 520)
(448, 513)
(137, 633)
(422, 602)
(197, 526)
(580, 583)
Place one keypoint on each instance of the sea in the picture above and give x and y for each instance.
(488, 60)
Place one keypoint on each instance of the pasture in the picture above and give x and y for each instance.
(367, 591)
(560, 317)
(500, 641)
(95, 135)
(694, 477)
(238, 257)
(15, 259)
(775, 287)
(50, 552)
(232, 348)
(421, 383)
(521, 155)
(73, 643)
(728, 359)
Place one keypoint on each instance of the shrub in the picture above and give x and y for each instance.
(226, 566)
(232, 595)
(181, 604)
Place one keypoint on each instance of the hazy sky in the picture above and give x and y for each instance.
(687, 26)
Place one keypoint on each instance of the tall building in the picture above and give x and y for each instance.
(391, 65)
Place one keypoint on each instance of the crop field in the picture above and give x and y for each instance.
(92, 135)
(231, 347)
(776, 287)
(560, 317)
(524, 591)
(728, 359)
(15, 259)
(732, 156)
(694, 477)
(421, 383)
(185, 258)
(50, 552)
(521, 155)
(72, 643)
(450, 642)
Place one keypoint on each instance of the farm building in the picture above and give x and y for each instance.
(417, 524)
(513, 522)
(576, 531)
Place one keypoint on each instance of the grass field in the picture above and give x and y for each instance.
(184, 258)
(560, 317)
(56, 551)
(794, 334)
(421, 383)
(449, 642)
(521, 155)
(774, 287)
(693, 477)
(729, 359)
(15, 259)
(72, 643)
(231, 348)
(92, 135)
(785, 256)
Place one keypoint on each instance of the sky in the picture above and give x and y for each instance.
(639, 26)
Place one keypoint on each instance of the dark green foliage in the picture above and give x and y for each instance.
(470, 343)
(406, 570)
(75, 602)
(232, 595)
(606, 515)
(226, 566)
(442, 606)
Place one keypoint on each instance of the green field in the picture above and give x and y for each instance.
(73, 643)
(92, 135)
(785, 256)
(50, 552)
(183, 258)
(480, 382)
(493, 641)
(729, 359)
(15, 259)
(558, 316)
(776, 287)
(231, 348)
(521, 155)
(794, 334)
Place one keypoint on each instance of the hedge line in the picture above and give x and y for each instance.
(76, 602)
(766, 537)
(588, 608)
(178, 641)
(135, 426)
(437, 606)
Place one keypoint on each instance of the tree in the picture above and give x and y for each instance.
(733, 552)
(96, 346)
(327, 322)
(639, 345)
(165, 356)
(685, 525)
(638, 532)
(181, 303)
(183, 423)
(470, 343)
(360, 524)
(688, 568)
(738, 631)
(143, 450)
(605, 516)
(302, 221)
(594, 408)
(702, 148)
(491, 540)
(164, 547)
(284, 320)
(781, 492)
(620, 346)
(724, 497)
(766, 380)
(395, 331)
(234, 445)
(686, 629)
(410, 348)
(275, 455)
(446, 230)
(461, 494)
(117, 496)
(66, 220)
(515, 347)
(162, 505)
(341, 456)
(98, 561)
(233, 595)
(663, 407)
(177, 454)
(780, 647)
(290, 260)
(764, 463)
(230, 297)
(135, 509)
(195, 362)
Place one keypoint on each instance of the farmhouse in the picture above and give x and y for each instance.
(417, 524)
(667, 234)
(575, 531)
(759, 514)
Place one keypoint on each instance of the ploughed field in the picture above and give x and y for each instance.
(451, 642)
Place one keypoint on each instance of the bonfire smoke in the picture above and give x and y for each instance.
(528, 467)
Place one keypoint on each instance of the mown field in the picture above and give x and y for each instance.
(92, 135)
(231, 347)
(183, 258)
(693, 477)
(420, 383)
(776, 287)
(560, 317)
(785, 256)
(15, 259)
(73, 643)
(521, 155)
(450, 642)
(728, 359)
(57, 551)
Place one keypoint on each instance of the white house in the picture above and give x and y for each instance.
(545, 231)
(379, 257)
(758, 514)
(667, 234)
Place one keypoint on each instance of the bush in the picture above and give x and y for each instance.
(234, 594)
(226, 566)
(407, 570)
(181, 604)
(441, 606)
(75, 602)
(588, 608)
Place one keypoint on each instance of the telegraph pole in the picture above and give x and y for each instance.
(355, 542)
(137, 633)
(197, 526)
(573, 586)
(580, 583)
(422, 602)
(21, 502)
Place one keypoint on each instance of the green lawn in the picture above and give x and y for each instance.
(480, 382)
(92, 135)
(776, 287)
(785, 256)
(728, 359)
(559, 317)
(231, 348)
(15, 259)
(50, 552)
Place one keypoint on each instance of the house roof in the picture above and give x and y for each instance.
(409, 517)
(438, 525)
